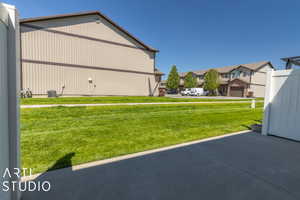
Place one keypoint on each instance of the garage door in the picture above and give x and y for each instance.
(282, 107)
(237, 91)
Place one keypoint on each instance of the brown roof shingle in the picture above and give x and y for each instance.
(227, 69)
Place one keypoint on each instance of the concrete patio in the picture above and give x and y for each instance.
(244, 166)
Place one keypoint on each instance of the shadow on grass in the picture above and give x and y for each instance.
(253, 127)
(246, 126)
(65, 161)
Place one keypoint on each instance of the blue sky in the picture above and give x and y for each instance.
(196, 34)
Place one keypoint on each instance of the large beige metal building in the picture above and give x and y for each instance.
(85, 54)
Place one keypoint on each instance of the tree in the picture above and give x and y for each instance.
(173, 79)
(211, 82)
(190, 80)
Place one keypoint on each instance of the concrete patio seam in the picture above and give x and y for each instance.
(133, 155)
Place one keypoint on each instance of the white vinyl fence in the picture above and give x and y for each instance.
(282, 104)
(9, 90)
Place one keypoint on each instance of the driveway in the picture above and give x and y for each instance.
(245, 166)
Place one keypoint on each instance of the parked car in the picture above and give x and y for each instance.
(198, 92)
(172, 91)
(186, 92)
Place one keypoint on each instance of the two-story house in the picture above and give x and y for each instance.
(238, 80)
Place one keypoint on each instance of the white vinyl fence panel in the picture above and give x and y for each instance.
(9, 91)
(4, 140)
(282, 104)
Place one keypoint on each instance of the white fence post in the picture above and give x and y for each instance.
(267, 102)
(9, 98)
(253, 104)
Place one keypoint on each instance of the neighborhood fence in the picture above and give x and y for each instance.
(9, 91)
(282, 104)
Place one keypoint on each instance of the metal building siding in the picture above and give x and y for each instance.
(88, 26)
(41, 45)
(76, 82)
(54, 47)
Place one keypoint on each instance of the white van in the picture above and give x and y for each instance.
(197, 92)
(186, 92)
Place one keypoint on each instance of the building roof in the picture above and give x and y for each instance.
(293, 60)
(156, 71)
(227, 69)
(35, 19)
(244, 81)
(257, 65)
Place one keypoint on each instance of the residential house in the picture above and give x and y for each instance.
(85, 54)
(237, 80)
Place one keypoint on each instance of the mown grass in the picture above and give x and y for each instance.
(123, 99)
(95, 133)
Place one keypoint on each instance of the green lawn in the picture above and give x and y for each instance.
(123, 99)
(95, 133)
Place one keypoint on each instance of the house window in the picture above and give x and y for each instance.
(235, 74)
(224, 75)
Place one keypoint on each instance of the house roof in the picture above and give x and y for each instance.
(35, 19)
(183, 74)
(156, 71)
(241, 80)
(227, 69)
(257, 65)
